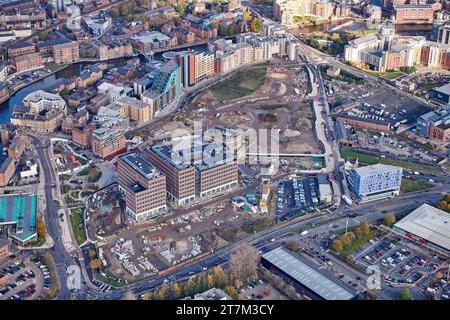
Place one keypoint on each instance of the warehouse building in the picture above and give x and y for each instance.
(317, 284)
(427, 225)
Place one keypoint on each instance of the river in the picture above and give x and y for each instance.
(401, 29)
(71, 72)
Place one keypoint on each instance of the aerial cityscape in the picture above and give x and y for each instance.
(246, 150)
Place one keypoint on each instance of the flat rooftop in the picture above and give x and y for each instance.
(308, 275)
(428, 223)
(445, 89)
(20, 210)
(140, 165)
(376, 169)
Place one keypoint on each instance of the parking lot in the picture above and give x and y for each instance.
(398, 260)
(260, 290)
(296, 196)
(21, 280)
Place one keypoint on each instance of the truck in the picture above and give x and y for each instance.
(347, 200)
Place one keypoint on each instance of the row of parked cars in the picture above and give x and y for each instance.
(45, 272)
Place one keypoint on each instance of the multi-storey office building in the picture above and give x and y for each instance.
(375, 182)
(143, 186)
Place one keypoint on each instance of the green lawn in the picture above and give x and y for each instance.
(413, 166)
(76, 218)
(364, 158)
(107, 280)
(388, 75)
(240, 85)
(409, 185)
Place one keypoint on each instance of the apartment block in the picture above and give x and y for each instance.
(143, 186)
(414, 13)
(66, 52)
(82, 136)
(20, 49)
(108, 142)
(375, 182)
(7, 168)
(27, 62)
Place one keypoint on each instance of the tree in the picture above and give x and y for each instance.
(43, 36)
(256, 25)
(231, 291)
(244, 262)
(405, 295)
(335, 37)
(129, 296)
(219, 277)
(365, 228)
(246, 16)
(95, 264)
(351, 236)
(232, 29)
(181, 9)
(223, 30)
(176, 290)
(188, 288)
(124, 11)
(345, 241)
(337, 245)
(114, 12)
(41, 228)
(389, 219)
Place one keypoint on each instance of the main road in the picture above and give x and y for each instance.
(61, 257)
(266, 240)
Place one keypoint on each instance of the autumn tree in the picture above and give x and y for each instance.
(335, 37)
(219, 277)
(389, 219)
(351, 236)
(95, 264)
(345, 240)
(176, 291)
(365, 228)
(114, 12)
(124, 11)
(231, 291)
(244, 262)
(40, 227)
(246, 16)
(337, 245)
(256, 25)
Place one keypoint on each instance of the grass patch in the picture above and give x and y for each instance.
(274, 107)
(413, 166)
(76, 218)
(107, 280)
(47, 259)
(365, 158)
(388, 75)
(94, 174)
(240, 85)
(409, 185)
(255, 226)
